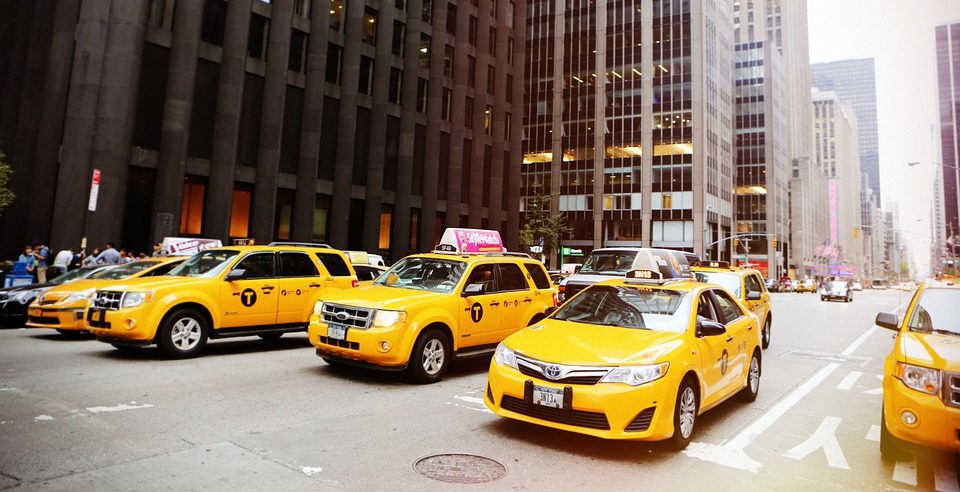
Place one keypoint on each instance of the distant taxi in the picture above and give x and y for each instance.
(746, 285)
(921, 376)
(62, 307)
(636, 358)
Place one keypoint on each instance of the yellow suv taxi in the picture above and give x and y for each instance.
(62, 307)
(746, 285)
(218, 293)
(428, 307)
(921, 376)
(633, 358)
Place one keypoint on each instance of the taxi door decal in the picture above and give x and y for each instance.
(476, 312)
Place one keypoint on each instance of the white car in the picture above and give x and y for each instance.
(836, 289)
(857, 286)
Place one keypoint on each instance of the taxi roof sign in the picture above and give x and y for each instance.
(643, 274)
(458, 240)
(712, 264)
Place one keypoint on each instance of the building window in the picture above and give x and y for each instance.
(334, 56)
(214, 18)
(161, 14)
(451, 19)
(448, 54)
(422, 86)
(257, 37)
(396, 82)
(492, 41)
(399, 34)
(491, 80)
(301, 8)
(471, 71)
(298, 50)
(284, 214)
(386, 219)
(511, 9)
(365, 85)
(468, 113)
(320, 213)
(509, 88)
(401, 5)
(424, 50)
(191, 210)
(426, 14)
(369, 31)
(445, 106)
(488, 120)
(507, 126)
(336, 14)
(240, 211)
(472, 30)
(510, 48)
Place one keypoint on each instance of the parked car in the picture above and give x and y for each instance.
(772, 285)
(836, 290)
(857, 286)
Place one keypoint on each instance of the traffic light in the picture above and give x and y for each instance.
(856, 232)
(774, 244)
(736, 242)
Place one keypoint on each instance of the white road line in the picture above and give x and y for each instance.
(118, 408)
(945, 480)
(905, 472)
(824, 437)
(849, 381)
(859, 341)
(873, 434)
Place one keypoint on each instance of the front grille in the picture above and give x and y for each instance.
(951, 389)
(353, 317)
(585, 375)
(642, 421)
(108, 300)
(47, 302)
(43, 320)
(339, 343)
(579, 418)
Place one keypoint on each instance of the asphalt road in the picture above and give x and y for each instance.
(256, 415)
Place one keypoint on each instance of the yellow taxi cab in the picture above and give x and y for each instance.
(460, 300)
(222, 292)
(921, 376)
(746, 285)
(635, 358)
(807, 285)
(62, 307)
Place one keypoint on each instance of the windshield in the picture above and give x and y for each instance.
(73, 275)
(124, 271)
(629, 307)
(835, 285)
(207, 264)
(729, 281)
(609, 262)
(936, 311)
(419, 273)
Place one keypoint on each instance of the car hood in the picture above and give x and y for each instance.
(19, 288)
(153, 283)
(590, 278)
(931, 350)
(566, 342)
(382, 297)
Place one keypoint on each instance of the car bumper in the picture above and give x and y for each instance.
(834, 296)
(65, 318)
(937, 426)
(123, 326)
(366, 346)
(606, 410)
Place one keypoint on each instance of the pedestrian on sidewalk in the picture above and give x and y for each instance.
(109, 256)
(42, 252)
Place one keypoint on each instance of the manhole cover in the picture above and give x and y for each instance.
(460, 468)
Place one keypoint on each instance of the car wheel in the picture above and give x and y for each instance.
(684, 415)
(430, 357)
(183, 334)
(891, 448)
(766, 332)
(749, 392)
(272, 337)
(823, 299)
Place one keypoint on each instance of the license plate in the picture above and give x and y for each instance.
(337, 332)
(547, 397)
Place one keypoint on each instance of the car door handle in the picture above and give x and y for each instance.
(729, 339)
(315, 285)
(528, 300)
(495, 303)
(267, 288)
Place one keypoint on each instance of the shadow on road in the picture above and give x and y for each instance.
(458, 369)
(80, 336)
(214, 348)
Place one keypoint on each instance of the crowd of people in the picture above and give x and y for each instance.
(39, 261)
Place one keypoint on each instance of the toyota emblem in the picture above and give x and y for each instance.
(552, 371)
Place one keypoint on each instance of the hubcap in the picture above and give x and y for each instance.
(754, 375)
(185, 334)
(766, 332)
(688, 412)
(433, 356)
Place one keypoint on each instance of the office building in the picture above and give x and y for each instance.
(365, 124)
(948, 90)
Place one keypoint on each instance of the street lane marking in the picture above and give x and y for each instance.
(905, 472)
(875, 391)
(118, 408)
(873, 434)
(859, 341)
(823, 438)
(849, 381)
(945, 480)
(43, 418)
(310, 470)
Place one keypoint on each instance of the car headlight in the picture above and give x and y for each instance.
(385, 318)
(636, 375)
(505, 356)
(922, 379)
(25, 296)
(318, 309)
(83, 295)
(134, 299)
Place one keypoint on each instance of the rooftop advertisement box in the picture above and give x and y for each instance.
(188, 246)
(472, 240)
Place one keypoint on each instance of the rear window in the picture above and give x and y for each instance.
(297, 265)
(512, 278)
(334, 264)
(538, 275)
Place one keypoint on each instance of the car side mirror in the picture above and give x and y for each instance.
(236, 274)
(472, 290)
(888, 321)
(709, 328)
(753, 296)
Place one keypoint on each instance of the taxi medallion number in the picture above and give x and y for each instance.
(337, 332)
(547, 397)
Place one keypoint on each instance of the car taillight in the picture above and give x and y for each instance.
(355, 283)
(556, 299)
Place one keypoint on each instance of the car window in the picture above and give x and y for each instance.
(729, 280)
(705, 308)
(483, 275)
(257, 265)
(512, 278)
(124, 271)
(420, 273)
(609, 262)
(629, 307)
(334, 264)
(753, 285)
(206, 264)
(937, 312)
(293, 264)
(538, 275)
(729, 310)
(162, 269)
(365, 272)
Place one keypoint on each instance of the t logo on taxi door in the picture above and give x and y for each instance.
(248, 297)
(476, 312)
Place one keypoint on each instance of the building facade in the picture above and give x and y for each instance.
(948, 85)
(366, 124)
(628, 121)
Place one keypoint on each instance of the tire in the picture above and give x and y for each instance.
(684, 415)
(891, 448)
(183, 334)
(270, 337)
(430, 357)
(823, 299)
(749, 392)
(766, 333)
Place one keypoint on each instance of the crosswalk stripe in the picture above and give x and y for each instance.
(945, 480)
(873, 434)
(905, 472)
(849, 381)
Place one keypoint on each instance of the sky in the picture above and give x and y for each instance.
(899, 36)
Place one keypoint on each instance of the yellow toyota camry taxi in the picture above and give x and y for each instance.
(636, 358)
(746, 284)
(62, 307)
(222, 292)
(428, 307)
(921, 376)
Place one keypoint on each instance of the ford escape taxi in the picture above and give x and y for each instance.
(462, 299)
(921, 376)
(746, 285)
(62, 307)
(634, 358)
(223, 292)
